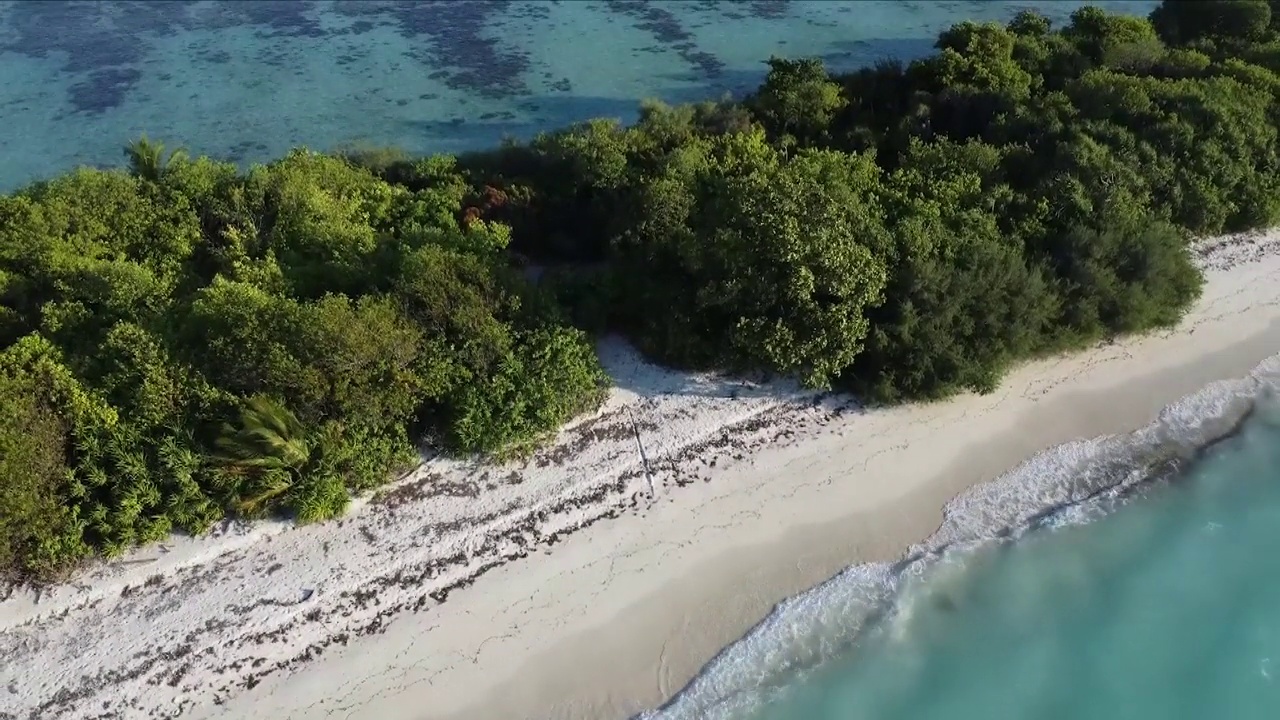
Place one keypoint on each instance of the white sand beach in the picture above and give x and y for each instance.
(594, 579)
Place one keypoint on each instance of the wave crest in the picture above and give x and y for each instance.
(1068, 484)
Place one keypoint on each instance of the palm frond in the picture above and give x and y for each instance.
(277, 484)
(264, 455)
(269, 435)
(147, 158)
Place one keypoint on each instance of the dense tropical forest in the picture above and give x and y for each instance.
(183, 341)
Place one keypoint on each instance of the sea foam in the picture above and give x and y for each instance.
(1069, 484)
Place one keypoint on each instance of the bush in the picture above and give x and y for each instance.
(185, 341)
(38, 532)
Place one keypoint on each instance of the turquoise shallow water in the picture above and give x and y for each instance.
(1105, 596)
(1169, 608)
(248, 80)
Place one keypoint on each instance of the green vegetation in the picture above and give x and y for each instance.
(184, 341)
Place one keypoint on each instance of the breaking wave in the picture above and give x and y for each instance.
(1069, 484)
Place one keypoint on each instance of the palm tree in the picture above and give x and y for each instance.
(269, 445)
(147, 159)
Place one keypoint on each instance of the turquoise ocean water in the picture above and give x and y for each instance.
(248, 79)
(1124, 578)
(1072, 588)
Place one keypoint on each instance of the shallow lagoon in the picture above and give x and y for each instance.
(248, 80)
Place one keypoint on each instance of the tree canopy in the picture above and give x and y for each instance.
(182, 340)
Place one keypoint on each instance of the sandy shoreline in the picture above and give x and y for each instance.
(611, 569)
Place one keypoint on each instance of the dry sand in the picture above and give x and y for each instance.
(593, 580)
